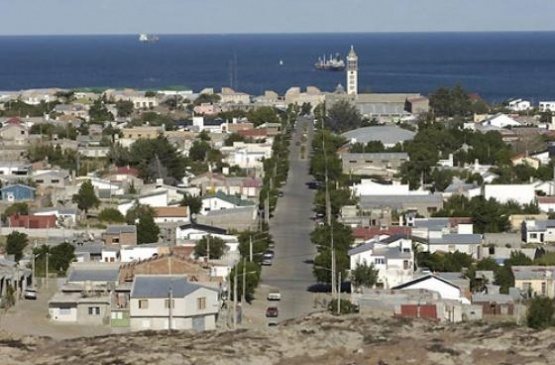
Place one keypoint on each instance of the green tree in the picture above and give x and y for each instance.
(111, 215)
(99, 113)
(20, 208)
(147, 230)
(216, 244)
(199, 150)
(342, 236)
(364, 275)
(322, 265)
(207, 98)
(86, 197)
(451, 102)
(16, 243)
(125, 108)
(204, 136)
(265, 114)
(252, 278)
(343, 116)
(194, 203)
(540, 313)
(137, 211)
(234, 137)
(150, 94)
(60, 258)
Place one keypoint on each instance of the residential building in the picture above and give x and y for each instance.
(17, 192)
(500, 121)
(172, 302)
(166, 264)
(433, 283)
(393, 257)
(15, 133)
(384, 163)
(518, 105)
(425, 205)
(546, 204)
(369, 187)
(547, 105)
(157, 198)
(67, 217)
(388, 135)
(504, 193)
(524, 159)
(538, 231)
(120, 236)
(171, 214)
(535, 281)
(453, 242)
(220, 201)
(52, 178)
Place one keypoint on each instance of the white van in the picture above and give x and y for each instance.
(274, 295)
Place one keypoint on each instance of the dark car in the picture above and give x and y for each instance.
(272, 312)
(280, 194)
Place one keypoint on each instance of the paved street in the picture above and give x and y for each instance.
(291, 227)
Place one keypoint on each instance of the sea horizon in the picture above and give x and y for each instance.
(497, 65)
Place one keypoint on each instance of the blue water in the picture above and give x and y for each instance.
(495, 65)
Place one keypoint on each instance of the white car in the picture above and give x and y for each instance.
(30, 293)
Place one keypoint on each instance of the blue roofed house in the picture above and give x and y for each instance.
(17, 192)
(161, 302)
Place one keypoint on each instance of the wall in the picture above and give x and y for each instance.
(103, 318)
(522, 194)
(56, 315)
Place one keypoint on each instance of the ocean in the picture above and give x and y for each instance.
(498, 66)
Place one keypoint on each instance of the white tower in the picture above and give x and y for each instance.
(352, 72)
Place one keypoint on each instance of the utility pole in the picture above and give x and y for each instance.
(47, 254)
(235, 299)
(208, 247)
(250, 248)
(33, 273)
(244, 282)
(328, 216)
(339, 296)
(170, 307)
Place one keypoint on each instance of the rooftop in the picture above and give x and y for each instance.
(159, 286)
(388, 135)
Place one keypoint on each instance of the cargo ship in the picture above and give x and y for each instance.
(331, 64)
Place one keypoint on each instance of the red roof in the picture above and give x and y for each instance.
(546, 199)
(14, 120)
(33, 221)
(126, 170)
(366, 233)
(252, 183)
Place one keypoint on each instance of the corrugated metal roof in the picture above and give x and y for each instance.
(458, 239)
(158, 286)
(121, 229)
(110, 274)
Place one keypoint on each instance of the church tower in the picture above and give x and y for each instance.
(352, 72)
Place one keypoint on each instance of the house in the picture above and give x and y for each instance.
(500, 121)
(388, 135)
(453, 242)
(369, 187)
(157, 198)
(160, 302)
(547, 105)
(14, 169)
(33, 221)
(538, 231)
(434, 283)
(171, 214)
(493, 303)
(52, 178)
(524, 159)
(535, 281)
(17, 192)
(15, 133)
(518, 105)
(393, 257)
(88, 252)
(220, 201)
(384, 163)
(166, 264)
(425, 205)
(125, 235)
(195, 231)
(504, 193)
(546, 204)
(142, 252)
(66, 217)
(247, 155)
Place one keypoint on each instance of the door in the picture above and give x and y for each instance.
(198, 324)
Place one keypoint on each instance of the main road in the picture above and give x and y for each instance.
(290, 227)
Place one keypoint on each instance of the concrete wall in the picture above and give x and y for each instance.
(60, 315)
(83, 316)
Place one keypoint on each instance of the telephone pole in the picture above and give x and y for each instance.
(244, 282)
(250, 248)
(170, 306)
(235, 299)
(328, 215)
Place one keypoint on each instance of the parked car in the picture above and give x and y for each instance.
(274, 295)
(280, 194)
(272, 312)
(267, 262)
(30, 293)
(269, 254)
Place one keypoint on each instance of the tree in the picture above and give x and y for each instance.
(207, 98)
(150, 94)
(343, 116)
(111, 215)
(194, 203)
(125, 108)
(204, 136)
(216, 245)
(16, 243)
(20, 208)
(147, 230)
(540, 313)
(137, 211)
(99, 113)
(265, 114)
(252, 278)
(451, 102)
(60, 258)
(86, 197)
(322, 265)
(234, 137)
(199, 150)
(364, 275)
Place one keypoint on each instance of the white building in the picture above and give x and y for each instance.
(536, 231)
(247, 155)
(139, 252)
(501, 121)
(518, 105)
(369, 187)
(161, 302)
(157, 199)
(547, 105)
(504, 193)
(393, 257)
(432, 283)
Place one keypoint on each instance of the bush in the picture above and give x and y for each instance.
(111, 215)
(540, 313)
(347, 307)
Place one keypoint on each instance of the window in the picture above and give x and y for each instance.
(115, 240)
(544, 288)
(55, 181)
(167, 303)
(406, 265)
(94, 311)
(201, 303)
(39, 181)
(432, 209)
(379, 261)
(64, 311)
(143, 303)
(533, 235)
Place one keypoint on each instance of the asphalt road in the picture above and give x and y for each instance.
(290, 228)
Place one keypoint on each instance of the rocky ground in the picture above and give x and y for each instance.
(319, 339)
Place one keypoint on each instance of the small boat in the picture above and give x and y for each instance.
(281, 62)
(148, 38)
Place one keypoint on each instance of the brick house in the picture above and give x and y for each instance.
(125, 235)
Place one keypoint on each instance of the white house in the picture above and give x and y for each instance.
(547, 105)
(101, 184)
(110, 254)
(546, 204)
(156, 199)
(221, 201)
(432, 283)
(501, 121)
(536, 231)
(195, 231)
(518, 105)
(159, 302)
(468, 243)
(369, 187)
(139, 252)
(247, 155)
(504, 193)
(393, 257)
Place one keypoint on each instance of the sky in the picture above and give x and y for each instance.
(46, 17)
